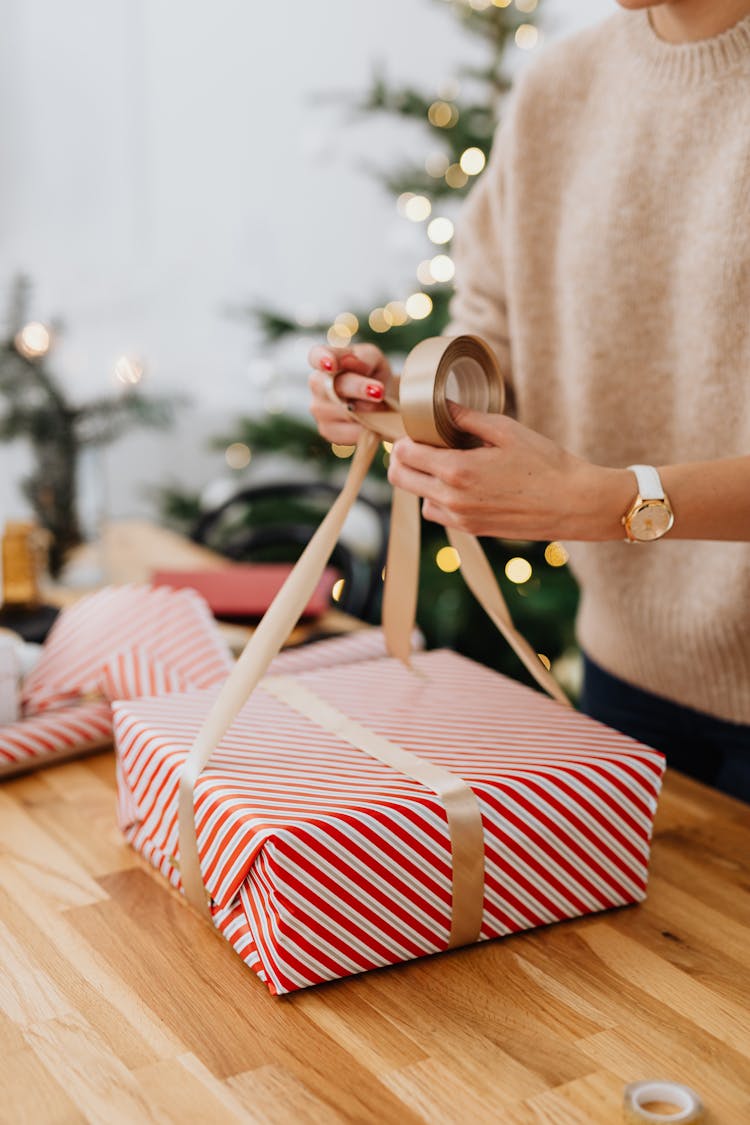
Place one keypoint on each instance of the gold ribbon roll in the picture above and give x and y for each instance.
(442, 370)
(461, 369)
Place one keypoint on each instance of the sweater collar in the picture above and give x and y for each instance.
(706, 60)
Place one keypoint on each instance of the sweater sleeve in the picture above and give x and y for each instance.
(479, 304)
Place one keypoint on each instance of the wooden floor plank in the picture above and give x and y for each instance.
(31, 1095)
(100, 1084)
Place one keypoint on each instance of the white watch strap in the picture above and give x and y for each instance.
(649, 482)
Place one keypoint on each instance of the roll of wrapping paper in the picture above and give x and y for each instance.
(462, 369)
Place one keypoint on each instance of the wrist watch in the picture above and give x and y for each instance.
(650, 515)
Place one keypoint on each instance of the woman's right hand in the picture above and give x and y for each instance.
(360, 374)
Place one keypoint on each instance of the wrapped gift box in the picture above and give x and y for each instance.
(158, 633)
(322, 861)
(119, 643)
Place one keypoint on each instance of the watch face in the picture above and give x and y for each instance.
(651, 520)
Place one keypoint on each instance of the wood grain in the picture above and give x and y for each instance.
(118, 1004)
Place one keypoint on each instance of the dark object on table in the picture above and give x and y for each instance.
(31, 624)
(274, 522)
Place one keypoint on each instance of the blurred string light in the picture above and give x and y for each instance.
(343, 328)
(472, 161)
(238, 455)
(442, 267)
(555, 554)
(419, 305)
(480, 5)
(436, 164)
(395, 313)
(424, 272)
(379, 321)
(502, 3)
(527, 36)
(342, 451)
(440, 230)
(527, 5)
(518, 570)
(34, 340)
(338, 336)
(414, 207)
(442, 114)
(545, 660)
(338, 589)
(448, 559)
(455, 176)
(129, 371)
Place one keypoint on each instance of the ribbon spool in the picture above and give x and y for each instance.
(439, 370)
(442, 369)
(684, 1105)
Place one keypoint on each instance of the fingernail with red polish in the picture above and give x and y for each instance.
(327, 363)
(374, 390)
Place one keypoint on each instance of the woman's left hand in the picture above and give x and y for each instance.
(516, 485)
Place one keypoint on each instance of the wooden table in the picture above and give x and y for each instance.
(118, 1004)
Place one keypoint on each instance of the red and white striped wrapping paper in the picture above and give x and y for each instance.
(55, 735)
(322, 862)
(163, 636)
(363, 644)
(120, 643)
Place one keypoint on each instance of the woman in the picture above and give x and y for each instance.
(605, 256)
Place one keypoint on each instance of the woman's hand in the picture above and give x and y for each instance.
(360, 374)
(517, 485)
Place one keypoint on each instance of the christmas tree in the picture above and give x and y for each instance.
(35, 405)
(541, 592)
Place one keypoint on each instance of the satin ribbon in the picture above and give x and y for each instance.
(462, 369)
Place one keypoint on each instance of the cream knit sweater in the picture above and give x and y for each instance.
(605, 254)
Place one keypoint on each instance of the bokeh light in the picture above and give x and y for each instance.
(395, 312)
(378, 320)
(338, 589)
(555, 554)
(442, 267)
(472, 161)
(455, 177)
(448, 559)
(417, 208)
(129, 370)
(419, 305)
(527, 36)
(440, 230)
(442, 114)
(34, 340)
(436, 164)
(238, 455)
(518, 570)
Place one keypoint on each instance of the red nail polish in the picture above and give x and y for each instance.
(327, 363)
(374, 390)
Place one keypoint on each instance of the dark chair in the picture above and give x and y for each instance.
(274, 522)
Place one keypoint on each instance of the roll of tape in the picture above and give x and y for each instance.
(642, 1102)
(461, 369)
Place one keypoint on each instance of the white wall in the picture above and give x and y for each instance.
(162, 160)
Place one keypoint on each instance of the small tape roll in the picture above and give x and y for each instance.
(688, 1107)
(462, 369)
